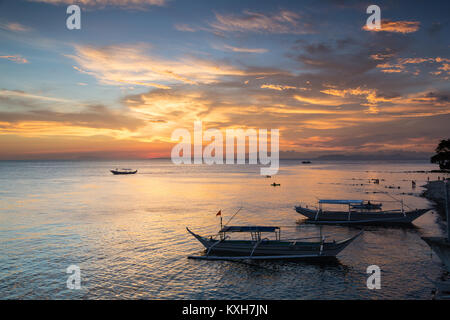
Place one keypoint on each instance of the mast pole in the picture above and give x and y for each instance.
(231, 216)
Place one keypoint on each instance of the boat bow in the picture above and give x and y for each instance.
(201, 239)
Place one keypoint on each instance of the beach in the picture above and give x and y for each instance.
(434, 191)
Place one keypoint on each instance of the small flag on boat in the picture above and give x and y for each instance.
(219, 213)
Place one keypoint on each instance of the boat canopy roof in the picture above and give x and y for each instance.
(249, 229)
(342, 201)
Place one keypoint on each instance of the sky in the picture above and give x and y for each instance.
(139, 69)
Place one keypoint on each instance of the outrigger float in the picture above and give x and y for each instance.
(359, 212)
(222, 247)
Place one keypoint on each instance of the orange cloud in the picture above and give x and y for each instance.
(414, 60)
(245, 50)
(402, 63)
(15, 58)
(277, 87)
(116, 65)
(445, 67)
(335, 92)
(319, 101)
(14, 26)
(392, 70)
(49, 128)
(396, 26)
(370, 94)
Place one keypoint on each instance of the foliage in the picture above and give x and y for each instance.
(442, 156)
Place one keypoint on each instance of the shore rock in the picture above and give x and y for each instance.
(435, 193)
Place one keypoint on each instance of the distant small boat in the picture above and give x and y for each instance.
(123, 171)
(275, 184)
(222, 248)
(358, 216)
(306, 162)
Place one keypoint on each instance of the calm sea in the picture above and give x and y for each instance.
(127, 233)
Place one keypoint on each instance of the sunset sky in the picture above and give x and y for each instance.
(138, 70)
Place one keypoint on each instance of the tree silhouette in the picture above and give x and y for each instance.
(442, 156)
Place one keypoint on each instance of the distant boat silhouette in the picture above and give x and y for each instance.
(359, 212)
(123, 171)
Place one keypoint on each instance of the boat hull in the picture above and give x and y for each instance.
(272, 249)
(441, 247)
(123, 172)
(372, 218)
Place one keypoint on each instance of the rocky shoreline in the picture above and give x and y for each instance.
(434, 191)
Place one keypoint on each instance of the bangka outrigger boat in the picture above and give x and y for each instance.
(359, 212)
(222, 247)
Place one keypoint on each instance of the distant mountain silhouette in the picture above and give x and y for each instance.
(360, 156)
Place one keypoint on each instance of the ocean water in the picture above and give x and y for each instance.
(127, 233)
